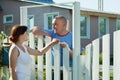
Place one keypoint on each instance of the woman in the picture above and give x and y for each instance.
(20, 61)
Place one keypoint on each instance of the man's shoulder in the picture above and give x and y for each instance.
(70, 33)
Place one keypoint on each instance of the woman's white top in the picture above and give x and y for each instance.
(24, 62)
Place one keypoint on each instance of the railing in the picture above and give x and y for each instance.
(89, 63)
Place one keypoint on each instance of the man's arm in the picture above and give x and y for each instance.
(39, 32)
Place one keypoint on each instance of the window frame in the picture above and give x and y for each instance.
(117, 23)
(5, 19)
(28, 21)
(46, 15)
(88, 27)
(107, 26)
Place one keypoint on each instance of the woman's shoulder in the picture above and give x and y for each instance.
(13, 49)
(13, 52)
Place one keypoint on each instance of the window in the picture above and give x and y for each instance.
(103, 26)
(118, 24)
(8, 19)
(85, 26)
(48, 17)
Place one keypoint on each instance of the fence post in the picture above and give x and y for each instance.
(76, 40)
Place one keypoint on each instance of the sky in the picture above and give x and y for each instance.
(108, 5)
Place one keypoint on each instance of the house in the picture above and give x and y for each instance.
(94, 24)
(10, 13)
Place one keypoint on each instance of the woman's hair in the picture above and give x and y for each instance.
(16, 31)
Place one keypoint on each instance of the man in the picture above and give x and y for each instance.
(60, 32)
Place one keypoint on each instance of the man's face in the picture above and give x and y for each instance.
(58, 25)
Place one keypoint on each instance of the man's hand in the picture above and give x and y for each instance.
(63, 44)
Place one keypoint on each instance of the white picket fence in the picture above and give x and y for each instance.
(89, 66)
(48, 67)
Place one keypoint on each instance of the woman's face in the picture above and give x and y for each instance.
(24, 36)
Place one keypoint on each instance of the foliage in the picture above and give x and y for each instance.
(0, 39)
(1, 55)
(36, 42)
(2, 36)
(100, 58)
(83, 52)
(101, 74)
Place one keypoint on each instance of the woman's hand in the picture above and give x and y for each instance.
(55, 41)
(38, 31)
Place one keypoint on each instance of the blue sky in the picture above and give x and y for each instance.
(109, 5)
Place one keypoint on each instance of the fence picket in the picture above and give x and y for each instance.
(106, 56)
(116, 55)
(57, 62)
(40, 59)
(31, 37)
(95, 60)
(88, 63)
(66, 71)
(48, 61)
(82, 66)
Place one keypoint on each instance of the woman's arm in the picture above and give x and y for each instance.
(43, 50)
(38, 31)
(13, 61)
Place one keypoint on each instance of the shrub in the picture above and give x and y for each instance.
(100, 59)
